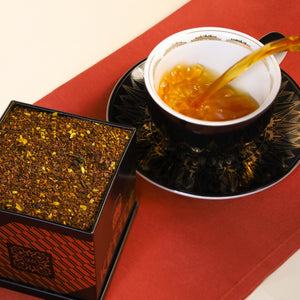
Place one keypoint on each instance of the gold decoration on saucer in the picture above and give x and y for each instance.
(236, 165)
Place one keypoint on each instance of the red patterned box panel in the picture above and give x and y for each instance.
(45, 259)
(121, 211)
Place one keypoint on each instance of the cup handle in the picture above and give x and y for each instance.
(273, 36)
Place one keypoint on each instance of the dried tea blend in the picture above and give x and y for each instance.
(57, 167)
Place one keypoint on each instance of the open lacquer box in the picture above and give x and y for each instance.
(67, 201)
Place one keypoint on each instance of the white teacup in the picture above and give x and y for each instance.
(216, 49)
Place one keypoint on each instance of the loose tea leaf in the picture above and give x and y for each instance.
(57, 167)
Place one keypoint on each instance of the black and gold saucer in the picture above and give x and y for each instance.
(234, 166)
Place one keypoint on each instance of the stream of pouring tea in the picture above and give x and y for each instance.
(285, 44)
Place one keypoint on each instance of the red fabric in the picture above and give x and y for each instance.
(185, 248)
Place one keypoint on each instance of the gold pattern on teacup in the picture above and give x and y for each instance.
(206, 37)
(239, 42)
(175, 45)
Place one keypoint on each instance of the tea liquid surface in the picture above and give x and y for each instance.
(183, 87)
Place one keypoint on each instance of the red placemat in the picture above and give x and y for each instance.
(185, 248)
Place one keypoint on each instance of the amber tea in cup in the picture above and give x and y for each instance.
(182, 89)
